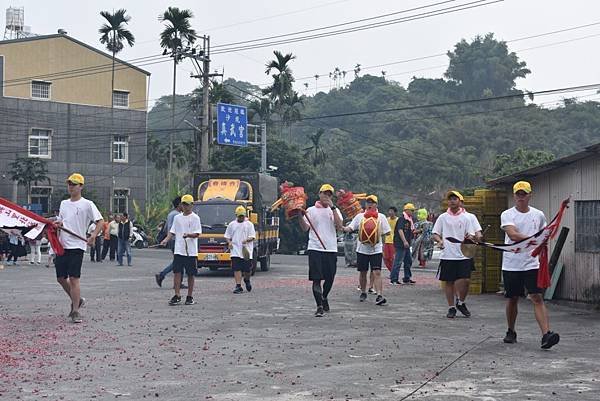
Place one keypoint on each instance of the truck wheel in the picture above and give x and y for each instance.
(265, 263)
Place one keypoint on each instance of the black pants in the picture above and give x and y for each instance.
(96, 250)
(105, 247)
(113, 246)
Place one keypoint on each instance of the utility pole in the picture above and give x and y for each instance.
(263, 147)
(201, 59)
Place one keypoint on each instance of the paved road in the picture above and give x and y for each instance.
(266, 345)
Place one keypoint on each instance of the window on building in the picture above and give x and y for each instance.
(39, 142)
(120, 151)
(121, 99)
(41, 196)
(587, 226)
(120, 200)
(40, 90)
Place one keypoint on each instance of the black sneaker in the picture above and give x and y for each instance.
(319, 312)
(325, 305)
(550, 339)
(238, 290)
(159, 279)
(394, 283)
(183, 286)
(380, 300)
(451, 313)
(511, 337)
(176, 300)
(463, 309)
(248, 285)
(189, 300)
(371, 291)
(363, 296)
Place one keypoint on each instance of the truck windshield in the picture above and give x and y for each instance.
(216, 215)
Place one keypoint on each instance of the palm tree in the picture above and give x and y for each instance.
(178, 33)
(113, 34)
(281, 89)
(317, 152)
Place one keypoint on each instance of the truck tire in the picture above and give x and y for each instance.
(265, 263)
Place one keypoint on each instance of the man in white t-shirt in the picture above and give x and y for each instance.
(455, 268)
(186, 229)
(326, 219)
(520, 270)
(240, 236)
(369, 250)
(75, 214)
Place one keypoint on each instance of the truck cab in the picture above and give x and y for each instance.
(218, 194)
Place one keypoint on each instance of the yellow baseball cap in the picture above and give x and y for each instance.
(409, 206)
(455, 193)
(522, 186)
(76, 178)
(240, 211)
(372, 198)
(326, 187)
(189, 199)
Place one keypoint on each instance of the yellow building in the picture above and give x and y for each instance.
(56, 104)
(62, 69)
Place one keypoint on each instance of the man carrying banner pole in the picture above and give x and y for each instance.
(74, 215)
(520, 269)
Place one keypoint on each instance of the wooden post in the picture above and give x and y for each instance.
(549, 294)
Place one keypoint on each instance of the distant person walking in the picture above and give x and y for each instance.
(106, 237)
(403, 237)
(124, 233)
(96, 247)
(240, 236)
(113, 231)
(186, 229)
(35, 256)
(176, 202)
(389, 251)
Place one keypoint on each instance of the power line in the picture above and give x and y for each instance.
(447, 10)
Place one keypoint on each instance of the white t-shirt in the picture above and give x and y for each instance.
(237, 232)
(457, 227)
(76, 217)
(527, 224)
(322, 220)
(384, 228)
(474, 222)
(183, 224)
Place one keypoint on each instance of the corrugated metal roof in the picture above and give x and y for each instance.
(542, 168)
(62, 35)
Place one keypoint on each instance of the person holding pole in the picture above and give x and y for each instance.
(74, 216)
(322, 222)
(240, 236)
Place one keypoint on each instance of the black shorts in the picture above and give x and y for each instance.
(322, 265)
(515, 283)
(240, 264)
(363, 261)
(69, 264)
(187, 263)
(452, 270)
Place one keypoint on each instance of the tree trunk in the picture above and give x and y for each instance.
(172, 123)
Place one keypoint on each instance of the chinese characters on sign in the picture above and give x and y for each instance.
(232, 125)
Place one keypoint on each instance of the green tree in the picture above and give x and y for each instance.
(113, 34)
(176, 35)
(520, 159)
(280, 91)
(27, 171)
(315, 151)
(484, 65)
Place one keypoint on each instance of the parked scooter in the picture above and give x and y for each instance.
(138, 238)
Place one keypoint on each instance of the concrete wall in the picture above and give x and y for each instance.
(81, 142)
(581, 276)
(77, 78)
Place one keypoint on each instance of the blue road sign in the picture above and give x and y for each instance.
(232, 125)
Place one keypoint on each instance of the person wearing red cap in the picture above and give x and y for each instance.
(520, 270)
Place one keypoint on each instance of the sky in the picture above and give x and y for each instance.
(573, 62)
